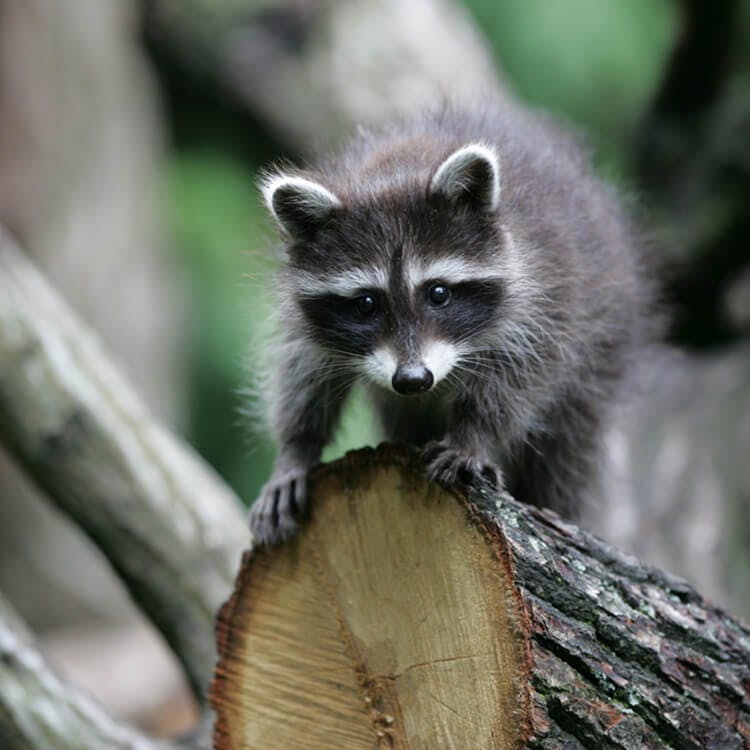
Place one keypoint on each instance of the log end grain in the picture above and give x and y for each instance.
(389, 622)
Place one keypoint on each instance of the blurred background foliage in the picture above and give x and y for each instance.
(102, 100)
(594, 64)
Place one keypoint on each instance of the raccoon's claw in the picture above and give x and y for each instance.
(281, 505)
(448, 465)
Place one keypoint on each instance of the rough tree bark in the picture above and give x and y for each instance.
(410, 616)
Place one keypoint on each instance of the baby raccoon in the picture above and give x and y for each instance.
(482, 283)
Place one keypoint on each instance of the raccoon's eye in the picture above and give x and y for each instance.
(439, 295)
(366, 304)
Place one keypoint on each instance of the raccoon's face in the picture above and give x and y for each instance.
(403, 285)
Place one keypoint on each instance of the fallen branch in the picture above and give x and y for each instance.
(169, 526)
(39, 710)
(407, 616)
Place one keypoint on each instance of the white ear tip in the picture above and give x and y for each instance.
(304, 191)
(453, 174)
(297, 203)
(478, 150)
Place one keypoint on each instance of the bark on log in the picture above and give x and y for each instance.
(411, 616)
(171, 529)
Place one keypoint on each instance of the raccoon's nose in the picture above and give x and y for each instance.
(411, 379)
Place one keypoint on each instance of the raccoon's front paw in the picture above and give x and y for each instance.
(449, 465)
(281, 505)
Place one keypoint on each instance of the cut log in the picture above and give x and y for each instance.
(406, 615)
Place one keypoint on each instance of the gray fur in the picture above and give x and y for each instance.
(544, 345)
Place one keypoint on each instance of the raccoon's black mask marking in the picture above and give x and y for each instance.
(336, 323)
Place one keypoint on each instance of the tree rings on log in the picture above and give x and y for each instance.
(388, 622)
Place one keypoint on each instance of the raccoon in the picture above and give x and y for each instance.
(482, 283)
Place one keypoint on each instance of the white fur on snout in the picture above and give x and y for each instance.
(380, 366)
(439, 357)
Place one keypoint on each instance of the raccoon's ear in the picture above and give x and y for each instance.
(300, 206)
(471, 175)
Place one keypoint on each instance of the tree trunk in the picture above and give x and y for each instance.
(81, 151)
(411, 616)
(168, 525)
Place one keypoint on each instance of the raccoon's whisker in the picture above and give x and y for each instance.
(344, 384)
(470, 334)
(477, 360)
(487, 376)
(454, 379)
(480, 358)
(342, 353)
